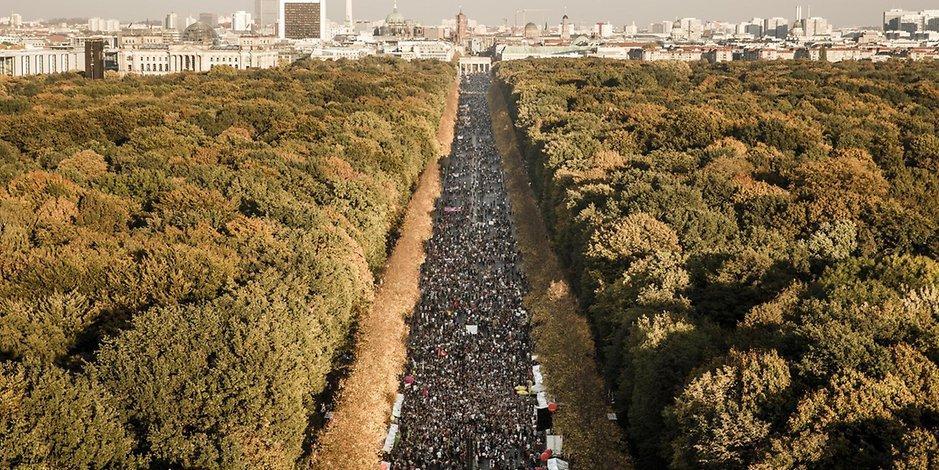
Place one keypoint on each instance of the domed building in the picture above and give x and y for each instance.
(531, 31)
(200, 33)
(396, 25)
(394, 18)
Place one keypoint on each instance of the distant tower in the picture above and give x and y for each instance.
(171, 21)
(462, 28)
(565, 28)
(94, 59)
(349, 23)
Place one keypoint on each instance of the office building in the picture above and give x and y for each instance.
(160, 60)
(210, 19)
(603, 29)
(266, 12)
(662, 27)
(302, 19)
(25, 62)
(911, 21)
(776, 28)
(901, 20)
(689, 29)
(241, 21)
(94, 59)
(750, 28)
(16, 20)
(171, 21)
(815, 26)
(631, 29)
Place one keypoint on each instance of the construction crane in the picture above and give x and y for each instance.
(524, 12)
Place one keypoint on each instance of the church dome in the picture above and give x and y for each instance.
(531, 30)
(201, 33)
(394, 17)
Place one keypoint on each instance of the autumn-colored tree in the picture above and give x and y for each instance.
(183, 257)
(755, 244)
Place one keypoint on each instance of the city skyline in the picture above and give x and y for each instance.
(642, 12)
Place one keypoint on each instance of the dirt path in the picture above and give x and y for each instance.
(353, 438)
(562, 336)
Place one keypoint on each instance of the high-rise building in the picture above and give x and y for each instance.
(776, 28)
(171, 21)
(750, 28)
(461, 33)
(933, 24)
(94, 59)
(350, 23)
(662, 27)
(210, 19)
(911, 21)
(631, 29)
(816, 26)
(895, 18)
(302, 19)
(690, 29)
(241, 21)
(16, 20)
(266, 12)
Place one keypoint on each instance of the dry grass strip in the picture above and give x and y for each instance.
(353, 438)
(562, 335)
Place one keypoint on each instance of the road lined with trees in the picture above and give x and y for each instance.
(181, 258)
(755, 245)
(469, 345)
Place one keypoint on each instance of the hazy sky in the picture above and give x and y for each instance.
(491, 12)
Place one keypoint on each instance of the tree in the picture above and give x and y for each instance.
(49, 418)
(723, 417)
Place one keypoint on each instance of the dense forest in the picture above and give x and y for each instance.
(182, 257)
(755, 246)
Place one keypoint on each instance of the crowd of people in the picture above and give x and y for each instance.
(469, 349)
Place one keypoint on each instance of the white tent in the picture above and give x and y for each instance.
(390, 439)
(555, 443)
(542, 400)
(472, 329)
(536, 372)
(399, 402)
(558, 464)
